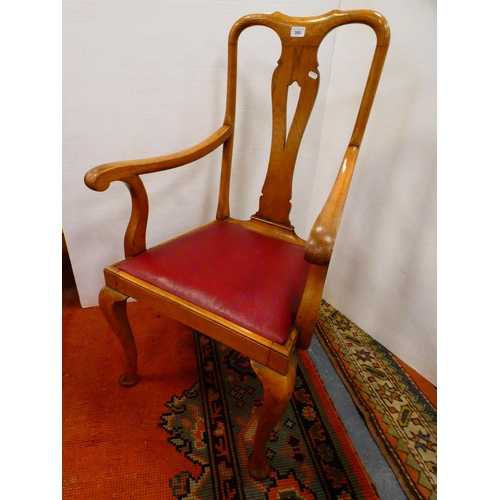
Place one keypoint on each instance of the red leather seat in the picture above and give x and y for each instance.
(253, 280)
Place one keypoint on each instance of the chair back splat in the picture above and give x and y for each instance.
(253, 285)
(300, 40)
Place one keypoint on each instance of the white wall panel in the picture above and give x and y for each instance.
(383, 272)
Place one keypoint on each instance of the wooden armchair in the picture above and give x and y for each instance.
(253, 285)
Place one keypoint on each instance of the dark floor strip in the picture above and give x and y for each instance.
(377, 467)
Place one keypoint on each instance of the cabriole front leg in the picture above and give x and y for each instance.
(278, 390)
(114, 307)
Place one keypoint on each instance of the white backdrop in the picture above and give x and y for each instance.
(148, 78)
(383, 272)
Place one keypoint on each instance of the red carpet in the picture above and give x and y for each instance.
(185, 430)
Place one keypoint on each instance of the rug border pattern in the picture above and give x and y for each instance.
(385, 434)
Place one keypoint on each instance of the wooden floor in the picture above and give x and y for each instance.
(69, 292)
(423, 384)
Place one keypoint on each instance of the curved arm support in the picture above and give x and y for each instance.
(99, 178)
(135, 235)
(307, 314)
(323, 234)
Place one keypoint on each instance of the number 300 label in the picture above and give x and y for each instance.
(298, 32)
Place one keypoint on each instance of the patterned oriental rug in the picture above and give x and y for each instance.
(400, 418)
(185, 431)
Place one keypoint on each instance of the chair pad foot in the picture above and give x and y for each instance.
(128, 381)
(258, 471)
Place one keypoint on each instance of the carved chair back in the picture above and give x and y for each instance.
(300, 40)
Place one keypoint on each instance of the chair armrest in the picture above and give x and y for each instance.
(99, 178)
(322, 237)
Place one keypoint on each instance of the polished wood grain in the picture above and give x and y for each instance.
(308, 308)
(322, 237)
(100, 177)
(278, 390)
(295, 65)
(135, 235)
(114, 308)
(274, 364)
